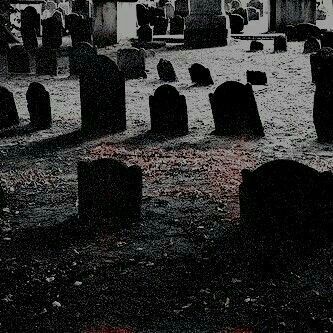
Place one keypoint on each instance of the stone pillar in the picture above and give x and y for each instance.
(207, 25)
(290, 12)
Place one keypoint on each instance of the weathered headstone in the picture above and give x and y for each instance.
(256, 77)
(318, 60)
(145, 33)
(102, 94)
(258, 5)
(235, 110)
(160, 25)
(8, 112)
(29, 27)
(168, 111)
(80, 56)
(109, 193)
(312, 45)
(132, 62)
(39, 106)
(18, 60)
(200, 75)
(177, 25)
(284, 199)
(46, 61)
(280, 43)
(236, 23)
(169, 10)
(165, 70)
(52, 33)
(253, 14)
(256, 46)
(79, 28)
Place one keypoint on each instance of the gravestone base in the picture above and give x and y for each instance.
(206, 31)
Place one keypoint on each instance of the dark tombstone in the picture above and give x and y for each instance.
(160, 25)
(52, 33)
(235, 110)
(312, 45)
(29, 28)
(280, 43)
(109, 193)
(243, 13)
(304, 31)
(177, 25)
(236, 23)
(253, 14)
(39, 106)
(291, 33)
(132, 62)
(8, 112)
(256, 46)
(258, 5)
(142, 14)
(46, 61)
(80, 56)
(18, 60)
(200, 75)
(318, 60)
(102, 94)
(327, 39)
(286, 200)
(256, 78)
(165, 70)
(145, 33)
(168, 112)
(79, 28)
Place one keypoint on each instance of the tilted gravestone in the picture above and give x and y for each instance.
(8, 112)
(166, 71)
(256, 46)
(160, 25)
(109, 193)
(200, 75)
(235, 110)
(39, 106)
(18, 60)
(284, 199)
(236, 23)
(256, 77)
(52, 33)
(132, 62)
(46, 61)
(80, 57)
(145, 33)
(280, 43)
(79, 28)
(29, 27)
(319, 59)
(102, 94)
(312, 45)
(177, 25)
(168, 111)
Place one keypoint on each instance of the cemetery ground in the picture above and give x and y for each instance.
(190, 265)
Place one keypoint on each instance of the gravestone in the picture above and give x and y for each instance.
(303, 31)
(256, 77)
(18, 60)
(177, 25)
(318, 59)
(132, 62)
(253, 14)
(142, 14)
(80, 56)
(327, 39)
(236, 23)
(39, 106)
(102, 94)
(52, 33)
(29, 27)
(243, 13)
(200, 75)
(258, 5)
(165, 70)
(145, 33)
(256, 46)
(160, 25)
(79, 28)
(8, 112)
(235, 110)
(280, 43)
(169, 10)
(109, 193)
(168, 111)
(284, 199)
(312, 45)
(46, 61)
